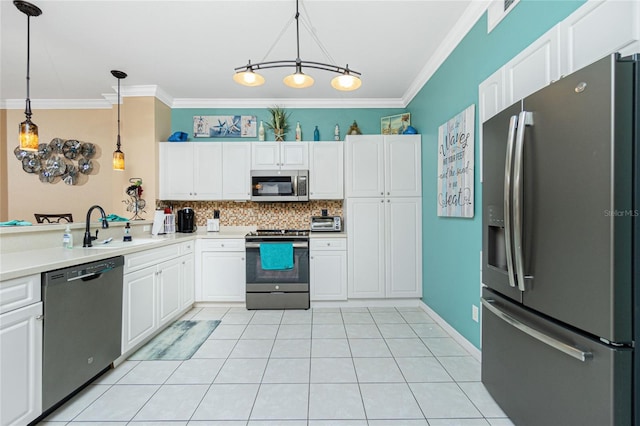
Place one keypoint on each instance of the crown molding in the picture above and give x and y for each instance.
(56, 104)
(468, 19)
(290, 103)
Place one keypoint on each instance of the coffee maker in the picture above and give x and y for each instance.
(186, 220)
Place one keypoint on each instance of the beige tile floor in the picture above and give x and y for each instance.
(321, 367)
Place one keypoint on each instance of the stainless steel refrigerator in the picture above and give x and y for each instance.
(561, 302)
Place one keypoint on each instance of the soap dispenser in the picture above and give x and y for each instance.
(67, 238)
(127, 232)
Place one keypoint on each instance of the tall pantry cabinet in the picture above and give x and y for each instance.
(383, 216)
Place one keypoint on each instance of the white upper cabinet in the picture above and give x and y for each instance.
(598, 29)
(280, 156)
(491, 96)
(326, 171)
(190, 171)
(236, 170)
(383, 166)
(402, 176)
(533, 68)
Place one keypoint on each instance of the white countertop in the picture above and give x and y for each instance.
(28, 262)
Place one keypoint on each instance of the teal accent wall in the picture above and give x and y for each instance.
(368, 120)
(451, 246)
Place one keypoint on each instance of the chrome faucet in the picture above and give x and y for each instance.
(87, 233)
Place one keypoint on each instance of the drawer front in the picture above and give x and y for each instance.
(187, 248)
(328, 243)
(236, 244)
(19, 292)
(136, 261)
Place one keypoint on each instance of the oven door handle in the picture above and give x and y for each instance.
(295, 245)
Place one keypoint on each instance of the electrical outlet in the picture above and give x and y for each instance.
(474, 313)
(146, 228)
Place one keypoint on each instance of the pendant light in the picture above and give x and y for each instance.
(28, 131)
(348, 79)
(118, 156)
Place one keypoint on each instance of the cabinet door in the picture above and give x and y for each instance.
(326, 171)
(598, 29)
(533, 68)
(223, 276)
(365, 247)
(236, 170)
(402, 156)
(21, 365)
(294, 155)
(403, 241)
(491, 96)
(176, 171)
(139, 307)
(328, 270)
(265, 155)
(364, 166)
(169, 285)
(207, 171)
(187, 293)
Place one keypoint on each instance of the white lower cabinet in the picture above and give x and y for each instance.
(21, 365)
(328, 269)
(157, 288)
(220, 270)
(384, 247)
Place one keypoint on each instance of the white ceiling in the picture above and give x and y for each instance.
(188, 49)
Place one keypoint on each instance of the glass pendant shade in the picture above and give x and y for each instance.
(346, 82)
(248, 78)
(28, 136)
(298, 80)
(118, 160)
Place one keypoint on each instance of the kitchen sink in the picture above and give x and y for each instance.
(119, 244)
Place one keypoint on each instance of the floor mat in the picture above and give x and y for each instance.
(178, 342)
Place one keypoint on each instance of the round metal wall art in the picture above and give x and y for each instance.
(55, 160)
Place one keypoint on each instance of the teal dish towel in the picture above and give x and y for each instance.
(115, 218)
(276, 256)
(16, 223)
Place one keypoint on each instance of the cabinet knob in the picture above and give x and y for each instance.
(242, 258)
(388, 193)
(221, 245)
(328, 244)
(39, 317)
(382, 201)
(388, 201)
(382, 193)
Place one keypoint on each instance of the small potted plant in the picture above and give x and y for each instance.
(278, 122)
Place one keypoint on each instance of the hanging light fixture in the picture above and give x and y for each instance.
(28, 131)
(118, 156)
(347, 80)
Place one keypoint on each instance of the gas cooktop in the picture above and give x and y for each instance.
(279, 233)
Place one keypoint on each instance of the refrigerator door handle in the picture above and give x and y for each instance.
(544, 338)
(525, 119)
(513, 124)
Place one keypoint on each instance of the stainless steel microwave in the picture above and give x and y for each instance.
(279, 185)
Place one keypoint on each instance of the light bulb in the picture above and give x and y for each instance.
(298, 78)
(249, 77)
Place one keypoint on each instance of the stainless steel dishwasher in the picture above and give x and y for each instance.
(82, 325)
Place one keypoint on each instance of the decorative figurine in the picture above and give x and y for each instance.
(354, 129)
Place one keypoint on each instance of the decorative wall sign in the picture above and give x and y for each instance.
(456, 165)
(55, 161)
(395, 124)
(224, 126)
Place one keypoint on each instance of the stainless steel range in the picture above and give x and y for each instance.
(277, 269)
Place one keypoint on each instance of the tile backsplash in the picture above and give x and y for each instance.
(262, 215)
